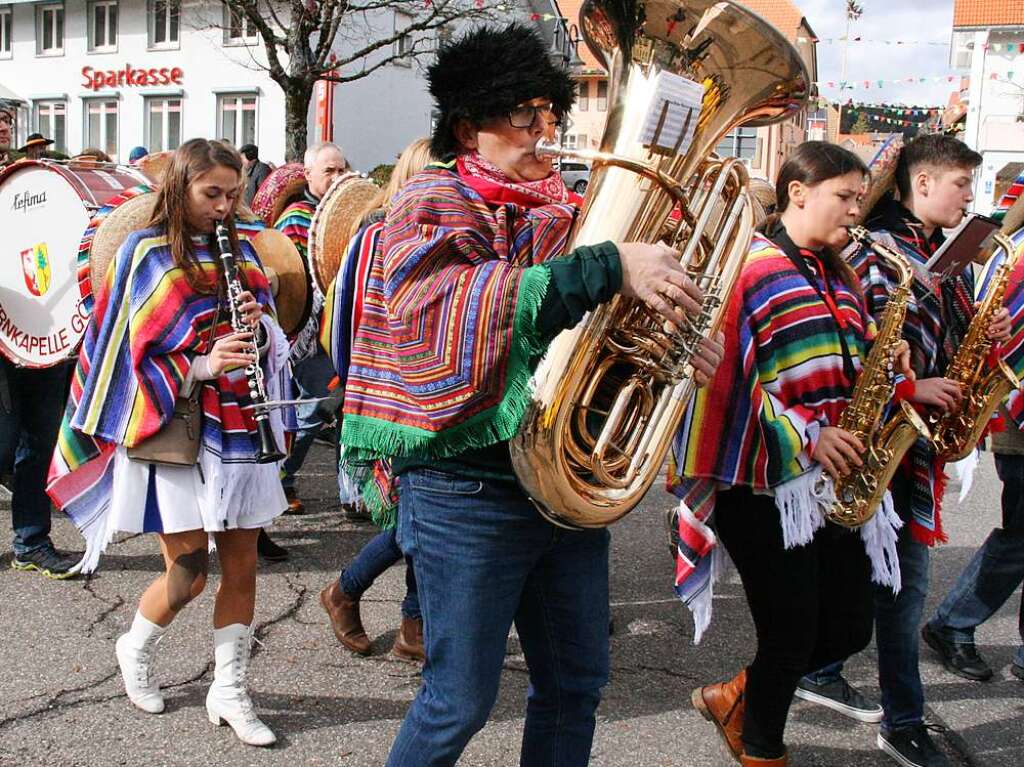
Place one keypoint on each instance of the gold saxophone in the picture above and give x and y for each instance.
(610, 393)
(859, 494)
(955, 434)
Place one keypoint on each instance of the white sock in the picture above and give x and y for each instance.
(143, 628)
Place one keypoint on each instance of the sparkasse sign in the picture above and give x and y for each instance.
(132, 77)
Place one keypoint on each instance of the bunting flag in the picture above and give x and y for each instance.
(859, 39)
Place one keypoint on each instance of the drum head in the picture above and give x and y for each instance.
(332, 223)
(292, 294)
(47, 209)
(110, 227)
(282, 186)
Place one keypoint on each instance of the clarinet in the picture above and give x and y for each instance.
(268, 451)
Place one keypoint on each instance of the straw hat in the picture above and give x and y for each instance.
(287, 274)
(280, 188)
(332, 224)
(154, 165)
(110, 226)
(883, 173)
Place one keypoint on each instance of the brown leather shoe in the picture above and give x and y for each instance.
(295, 505)
(409, 642)
(344, 614)
(756, 761)
(723, 705)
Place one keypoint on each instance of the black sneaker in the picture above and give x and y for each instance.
(912, 747)
(960, 658)
(840, 696)
(268, 550)
(49, 562)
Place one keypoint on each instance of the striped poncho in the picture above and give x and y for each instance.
(446, 339)
(937, 319)
(294, 222)
(780, 380)
(1012, 350)
(147, 327)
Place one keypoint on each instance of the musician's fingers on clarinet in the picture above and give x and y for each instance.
(249, 307)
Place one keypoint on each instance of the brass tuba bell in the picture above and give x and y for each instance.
(610, 393)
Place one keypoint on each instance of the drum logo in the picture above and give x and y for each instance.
(27, 200)
(35, 264)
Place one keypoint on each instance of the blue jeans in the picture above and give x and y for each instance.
(311, 378)
(485, 558)
(995, 571)
(28, 432)
(897, 618)
(372, 560)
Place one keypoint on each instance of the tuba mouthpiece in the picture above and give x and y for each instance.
(547, 150)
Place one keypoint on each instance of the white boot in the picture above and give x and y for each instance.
(134, 651)
(227, 700)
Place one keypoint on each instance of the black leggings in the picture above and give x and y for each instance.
(811, 605)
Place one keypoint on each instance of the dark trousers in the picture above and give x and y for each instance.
(30, 415)
(811, 606)
(995, 571)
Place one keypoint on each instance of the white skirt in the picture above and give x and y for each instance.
(154, 498)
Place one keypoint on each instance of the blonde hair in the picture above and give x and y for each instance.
(413, 159)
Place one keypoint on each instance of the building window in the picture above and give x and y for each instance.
(50, 119)
(602, 96)
(164, 17)
(239, 28)
(236, 118)
(6, 23)
(163, 123)
(581, 141)
(403, 45)
(741, 143)
(101, 125)
(50, 29)
(583, 100)
(102, 26)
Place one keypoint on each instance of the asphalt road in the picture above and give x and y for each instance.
(62, 702)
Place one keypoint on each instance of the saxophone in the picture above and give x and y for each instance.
(859, 494)
(955, 434)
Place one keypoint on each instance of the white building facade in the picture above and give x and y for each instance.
(115, 74)
(989, 46)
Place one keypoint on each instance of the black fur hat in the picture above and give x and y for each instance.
(486, 73)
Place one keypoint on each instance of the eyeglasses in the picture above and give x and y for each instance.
(524, 115)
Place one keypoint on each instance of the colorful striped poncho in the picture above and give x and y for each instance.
(937, 319)
(781, 379)
(294, 222)
(446, 339)
(1012, 350)
(147, 326)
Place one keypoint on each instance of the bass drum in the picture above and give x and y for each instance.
(47, 208)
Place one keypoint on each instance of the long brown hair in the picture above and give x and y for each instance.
(813, 163)
(413, 159)
(170, 214)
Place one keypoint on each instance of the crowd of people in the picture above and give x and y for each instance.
(455, 282)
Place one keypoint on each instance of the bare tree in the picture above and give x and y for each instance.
(341, 41)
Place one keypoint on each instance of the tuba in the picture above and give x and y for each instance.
(610, 393)
(859, 494)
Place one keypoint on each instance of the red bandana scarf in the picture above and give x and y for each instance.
(491, 183)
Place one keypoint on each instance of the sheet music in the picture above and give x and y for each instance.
(675, 110)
